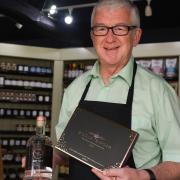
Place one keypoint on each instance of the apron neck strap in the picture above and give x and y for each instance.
(131, 89)
(85, 91)
(130, 93)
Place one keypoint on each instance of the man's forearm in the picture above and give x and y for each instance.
(167, 171)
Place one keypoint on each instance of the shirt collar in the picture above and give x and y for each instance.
(126, 73)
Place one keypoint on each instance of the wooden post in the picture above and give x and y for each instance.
(1, 165)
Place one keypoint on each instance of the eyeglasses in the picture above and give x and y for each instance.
(119, 30)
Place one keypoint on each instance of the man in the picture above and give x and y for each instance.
(124, 92)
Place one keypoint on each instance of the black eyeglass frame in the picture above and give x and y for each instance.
(129, 28)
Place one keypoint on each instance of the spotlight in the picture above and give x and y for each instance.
(69, 19)
(53, 9)
(148, 9)
(18, 25)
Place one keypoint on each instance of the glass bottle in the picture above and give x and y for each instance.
(39, 153)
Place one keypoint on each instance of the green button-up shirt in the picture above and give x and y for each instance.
(155, 110)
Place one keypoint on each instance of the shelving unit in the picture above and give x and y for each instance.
(166, 67)
(59, 58)
(26, 92)
(73, 69)
(13, 144)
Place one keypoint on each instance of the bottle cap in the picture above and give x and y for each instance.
(40, 121)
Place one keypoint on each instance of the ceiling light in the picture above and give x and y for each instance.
(53, 9)
(69, 19)
(148, 9)
(18, 25)
(2, 16)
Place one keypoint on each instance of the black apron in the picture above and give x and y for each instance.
(115, 112)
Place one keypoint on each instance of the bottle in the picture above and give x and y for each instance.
(39, 153)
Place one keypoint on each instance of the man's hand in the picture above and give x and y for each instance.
(23, 162)
(56, 160)
(23, 165)
(125, 173)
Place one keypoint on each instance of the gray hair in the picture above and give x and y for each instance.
(119, 3)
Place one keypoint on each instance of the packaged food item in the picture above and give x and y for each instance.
(157, 66)
(146, 63)
(171, 68)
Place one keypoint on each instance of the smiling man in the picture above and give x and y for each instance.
(114, 34)
(119, 89)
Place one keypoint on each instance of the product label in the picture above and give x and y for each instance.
(39, 157)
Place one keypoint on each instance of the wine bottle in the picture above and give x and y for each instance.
(39, 153)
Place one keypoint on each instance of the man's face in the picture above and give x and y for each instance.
(112, 49)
